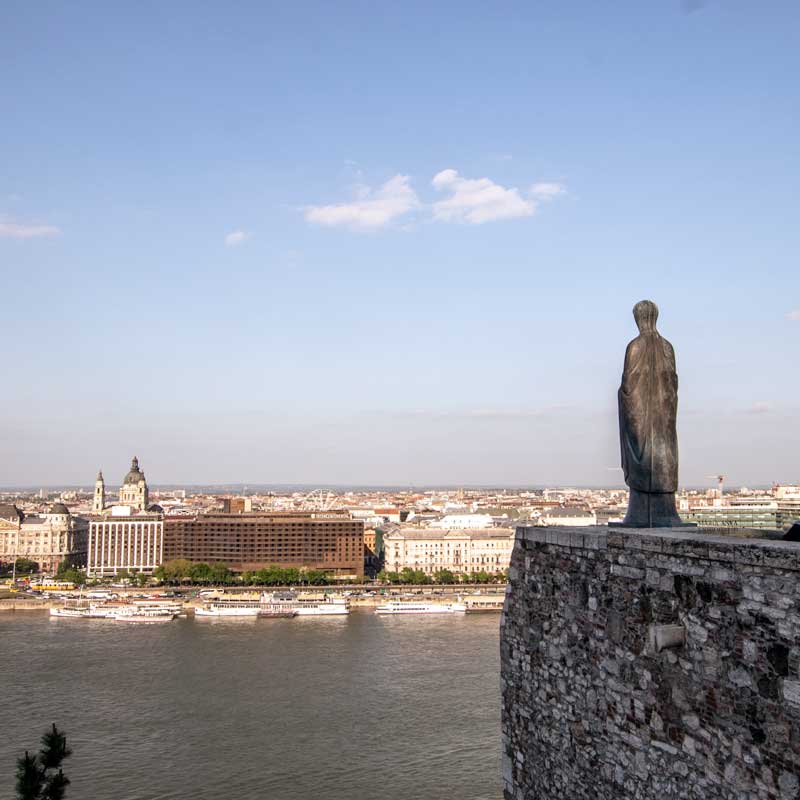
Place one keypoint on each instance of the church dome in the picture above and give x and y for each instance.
(58, 508)
(134, 475)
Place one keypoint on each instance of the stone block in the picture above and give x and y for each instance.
(661, 637)
(791, 692)
(634, 573)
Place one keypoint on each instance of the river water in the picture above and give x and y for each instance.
(355, 708)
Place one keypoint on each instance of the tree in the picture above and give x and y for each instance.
(316, 577)
(26, 566)
(200, 572)
(173, 571)
(221, 574)
(444, 576)
(40, 777)
(290, 575)
(422, 577)
(67, 572)
(142, 578)
(76, 576)
(63, 567)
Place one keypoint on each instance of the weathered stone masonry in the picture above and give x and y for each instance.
(593, 709)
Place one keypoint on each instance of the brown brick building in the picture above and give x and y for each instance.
(326, 540)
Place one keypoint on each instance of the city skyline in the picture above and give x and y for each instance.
(290, 247)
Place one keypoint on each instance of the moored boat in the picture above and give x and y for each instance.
(69, 612)
(225, 610)
(143, 617)
(143, 613)
(400, 607)
(322, 610)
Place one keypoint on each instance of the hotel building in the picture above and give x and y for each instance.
(330, 541)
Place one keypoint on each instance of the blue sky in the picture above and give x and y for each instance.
(394, 243)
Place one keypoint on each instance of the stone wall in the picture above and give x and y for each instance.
(650, 664)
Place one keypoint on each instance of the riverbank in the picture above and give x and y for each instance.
(483, 598)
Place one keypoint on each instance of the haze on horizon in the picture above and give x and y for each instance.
(339, 245)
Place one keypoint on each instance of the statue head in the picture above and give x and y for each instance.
(645, 312)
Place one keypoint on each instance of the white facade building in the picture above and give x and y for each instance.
(125, 539)
(568, 516)
(462, 522)
(461, 552)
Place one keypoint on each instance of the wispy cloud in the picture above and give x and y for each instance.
(370, 210)
(794, 316)
(235, 238)
(760, 408)
(478, 200)
(691, 6)
(547, 191)
(10, 229)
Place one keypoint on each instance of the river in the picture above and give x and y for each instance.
(353, 708)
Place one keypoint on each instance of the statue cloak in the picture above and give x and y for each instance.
(648, 407)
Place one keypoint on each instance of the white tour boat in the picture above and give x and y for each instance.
(294, 604)
(141, 613)
(333, 606)
(400, 607)
(226, 610)
(69, 612)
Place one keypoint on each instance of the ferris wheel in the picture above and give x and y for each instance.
(320, 500)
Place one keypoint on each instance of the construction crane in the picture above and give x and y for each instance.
(720, 482)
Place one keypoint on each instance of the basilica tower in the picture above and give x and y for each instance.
(99, 494)
(133, 491)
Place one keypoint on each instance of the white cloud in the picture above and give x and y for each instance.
(477, 200)
(468, 200)
(547, 191)
(370, 209)
(235, 238)
(18, 230)
(794, 316)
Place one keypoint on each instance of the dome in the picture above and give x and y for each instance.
(58, 508)
(155, 508)
(134, 475)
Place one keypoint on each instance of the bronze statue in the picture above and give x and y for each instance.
(648, 407)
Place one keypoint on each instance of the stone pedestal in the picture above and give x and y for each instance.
(653, 510)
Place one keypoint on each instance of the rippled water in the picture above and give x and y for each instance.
(333, 709)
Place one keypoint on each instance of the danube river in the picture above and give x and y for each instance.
(354, 708)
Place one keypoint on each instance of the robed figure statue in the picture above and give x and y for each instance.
(648, 407)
